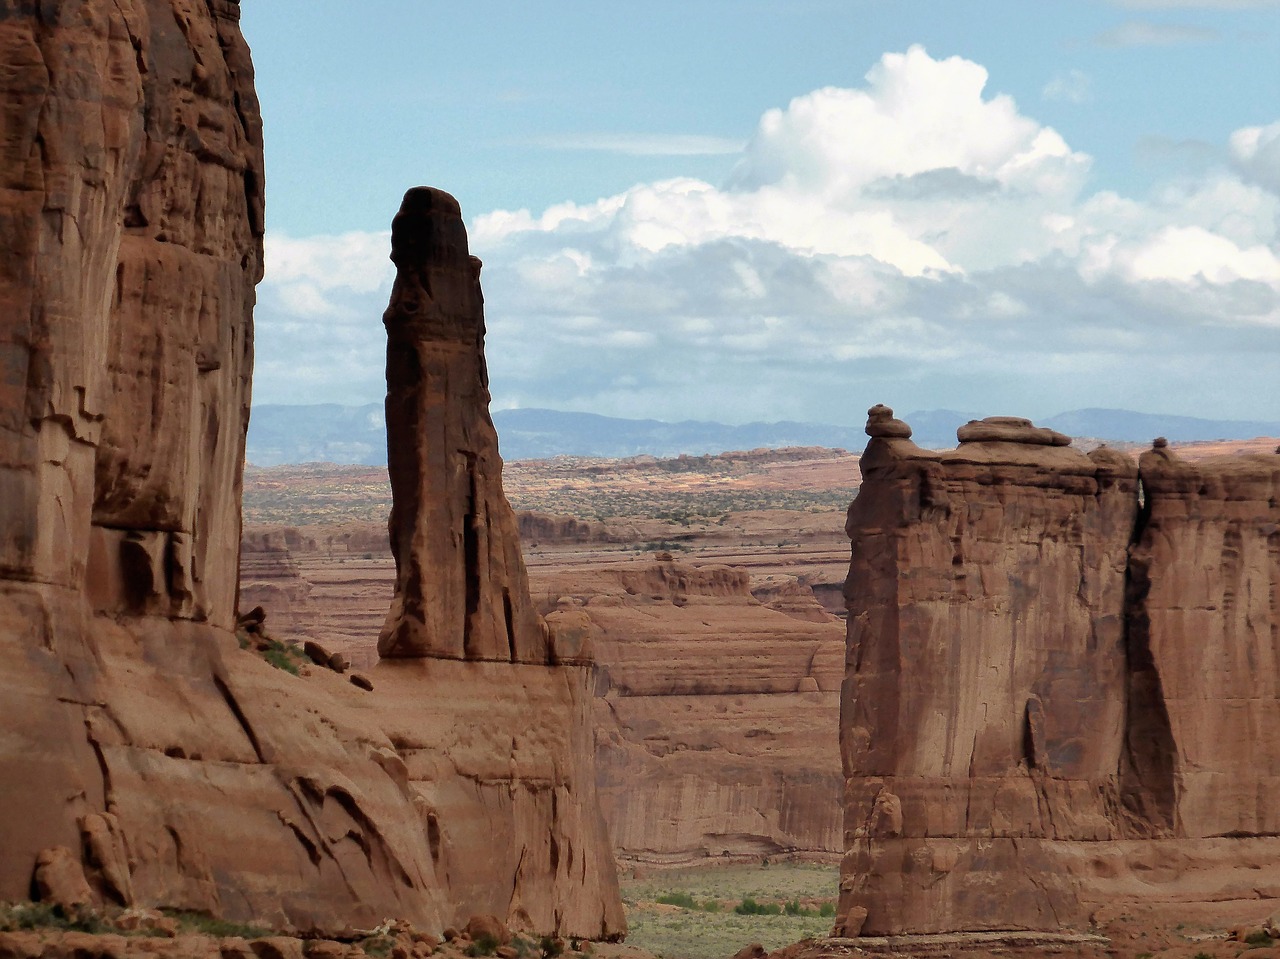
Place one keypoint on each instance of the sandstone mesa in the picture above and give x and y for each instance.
(1061, 682)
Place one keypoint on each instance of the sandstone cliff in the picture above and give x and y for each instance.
(1029, 704)
(1204, 626)
(179, 769)
(716, 716)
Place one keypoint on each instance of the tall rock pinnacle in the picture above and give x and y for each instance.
(461, 590)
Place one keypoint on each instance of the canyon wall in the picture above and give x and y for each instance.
(177, 768)
(1060, 673)
(1204, 621)
(716, 715)
(716, 688)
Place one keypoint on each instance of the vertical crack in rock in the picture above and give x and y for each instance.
(508, 617)
(1109, 664)
(471, 561)
(1147, 788)
(461, 588)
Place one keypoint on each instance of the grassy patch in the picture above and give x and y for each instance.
(784, 903)
(284, 656)
(15, 917)
(198, 922)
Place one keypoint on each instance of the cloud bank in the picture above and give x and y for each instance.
(918, 241)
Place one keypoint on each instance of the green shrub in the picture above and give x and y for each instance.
(483, 946)
(681, 899)
(827, 910)
(207, 925)
(749, 907)
(1258, 938)
(283, 656)
(43, 915)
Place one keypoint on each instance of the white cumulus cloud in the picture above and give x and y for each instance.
(918, 240)
(1256, 152)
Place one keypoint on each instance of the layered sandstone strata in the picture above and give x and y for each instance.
(717, 688)
(1033, 711)
(716, 715)
(175, 768)
(271, 578)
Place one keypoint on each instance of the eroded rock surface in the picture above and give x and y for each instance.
(715, 716)
(461, 590)
(179, 769)
(1033, 712)
(1204, 622)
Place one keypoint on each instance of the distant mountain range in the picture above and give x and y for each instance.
(329, 433)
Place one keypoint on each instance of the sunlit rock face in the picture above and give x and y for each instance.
(1027, 696)
(516, 804)
(141, 744)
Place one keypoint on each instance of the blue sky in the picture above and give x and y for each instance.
(763, 210)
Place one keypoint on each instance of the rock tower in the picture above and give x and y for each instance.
(1061, 679)
(461, 590)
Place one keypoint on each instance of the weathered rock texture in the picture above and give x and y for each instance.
(1204, 625)
(520, 829)
(179, 769)
(716, 716)
(1028, 699)
(461, 590)
(131, 171)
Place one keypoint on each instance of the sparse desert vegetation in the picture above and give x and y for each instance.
(696, 913)
(682, 491)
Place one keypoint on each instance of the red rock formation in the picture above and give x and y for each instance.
(182, 770)
(985, 690)
(132, 222)
(1204, 626)
(461, 590)
(132, 175)
(1032, 715)
(518, 826)
(548, 528)
(716, 716)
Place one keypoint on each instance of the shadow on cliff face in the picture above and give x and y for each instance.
(1058, 679)
(1147, 785)
(145, 752)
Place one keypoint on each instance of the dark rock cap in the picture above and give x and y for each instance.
(1010, 429)
(881, 423)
